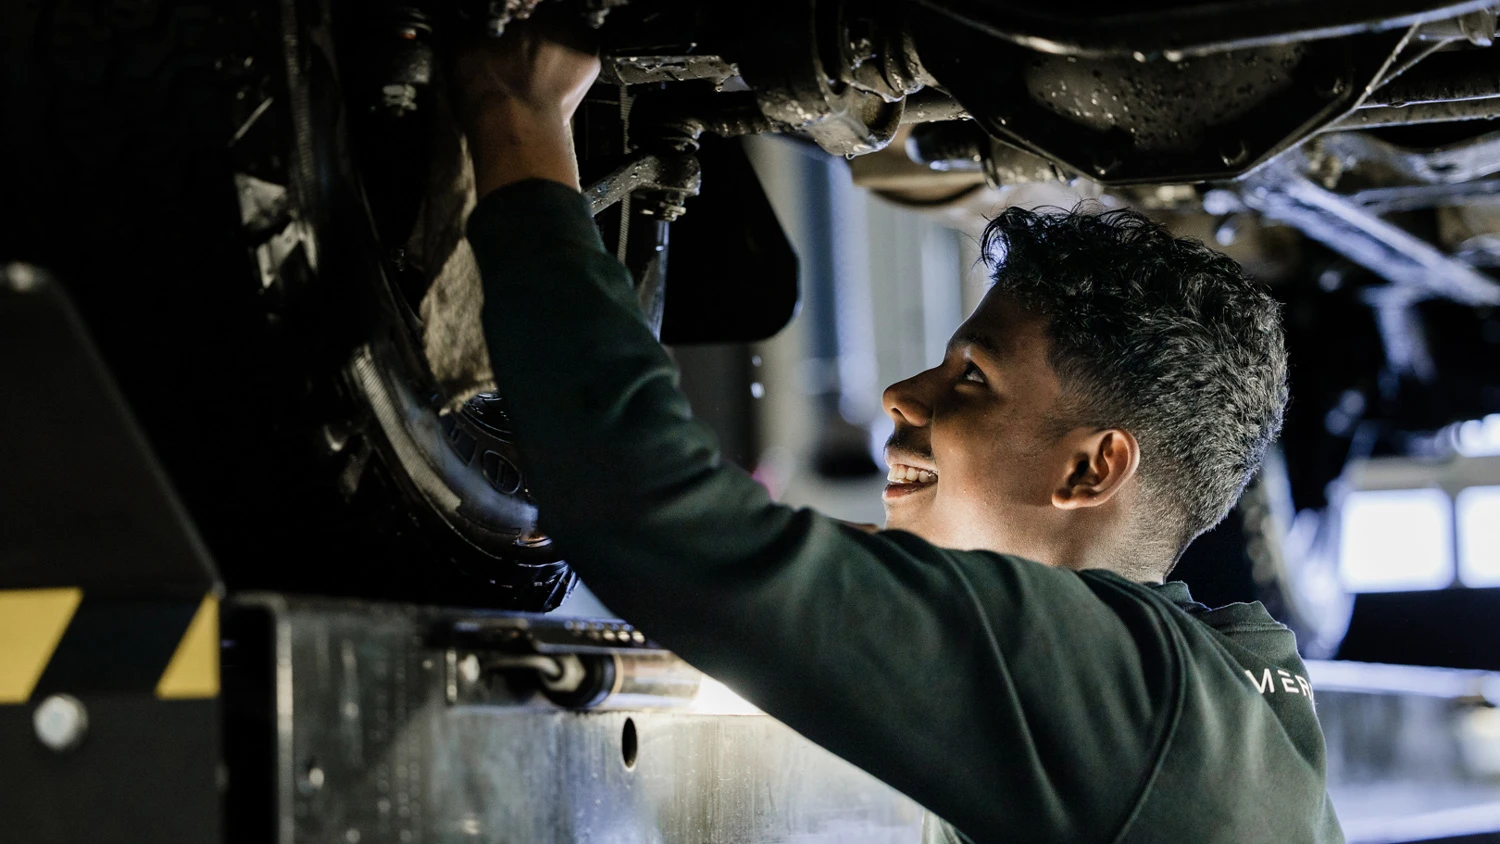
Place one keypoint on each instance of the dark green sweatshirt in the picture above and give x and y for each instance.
(1017, 701)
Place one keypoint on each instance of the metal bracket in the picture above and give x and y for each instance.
(676, 176)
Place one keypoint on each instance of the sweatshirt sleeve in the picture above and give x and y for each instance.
(1001, 694)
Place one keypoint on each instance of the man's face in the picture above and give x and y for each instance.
(972, 464)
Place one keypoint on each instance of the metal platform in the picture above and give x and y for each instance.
(387, 729)
(1413, 751)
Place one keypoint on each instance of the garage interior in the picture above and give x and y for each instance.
(269, 568)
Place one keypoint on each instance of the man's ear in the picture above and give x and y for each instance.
(1100, 464)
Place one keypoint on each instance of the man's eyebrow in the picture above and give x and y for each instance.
(983, 341)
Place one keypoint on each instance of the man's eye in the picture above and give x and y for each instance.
(972, 373)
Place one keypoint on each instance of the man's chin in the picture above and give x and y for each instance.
(904, 521)
(917, 524)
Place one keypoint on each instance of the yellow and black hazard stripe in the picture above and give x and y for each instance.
(67, 640)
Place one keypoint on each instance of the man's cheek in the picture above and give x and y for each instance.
(958, 492)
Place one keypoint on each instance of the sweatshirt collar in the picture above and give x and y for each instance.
(1177, 592)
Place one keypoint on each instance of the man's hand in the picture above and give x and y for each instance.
(515, 96)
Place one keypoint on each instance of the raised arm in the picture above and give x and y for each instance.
(516, 97)
(961, 679)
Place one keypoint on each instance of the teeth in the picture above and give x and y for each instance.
(900, 474)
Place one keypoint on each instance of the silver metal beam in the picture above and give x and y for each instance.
(1378, 117)
(1462, 162)
(1413, 197)
(676, 173)
(392, 734)
(1382, 247)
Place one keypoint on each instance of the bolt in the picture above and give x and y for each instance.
(861, 41)
(398, 98)
(335, 437)
(1104, 163)
(1331, 87)
(1233, 152)
(61, 722)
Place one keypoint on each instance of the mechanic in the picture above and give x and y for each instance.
(1105, 404)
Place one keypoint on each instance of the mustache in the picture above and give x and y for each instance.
(905, 441)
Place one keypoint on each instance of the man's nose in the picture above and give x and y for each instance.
(906, 403)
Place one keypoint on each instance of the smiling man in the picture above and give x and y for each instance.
(1005, 653)
(1106, 403)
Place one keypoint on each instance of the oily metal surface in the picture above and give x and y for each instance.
(1148, 119)
(1162, 105)
(370, 749)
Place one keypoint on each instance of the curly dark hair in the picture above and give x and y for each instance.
(1160, 336)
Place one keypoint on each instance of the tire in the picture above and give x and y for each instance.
(185, 169)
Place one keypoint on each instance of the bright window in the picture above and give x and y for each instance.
(1479, 536)
(1397, 539)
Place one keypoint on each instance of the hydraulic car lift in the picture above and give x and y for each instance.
(138, 703)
